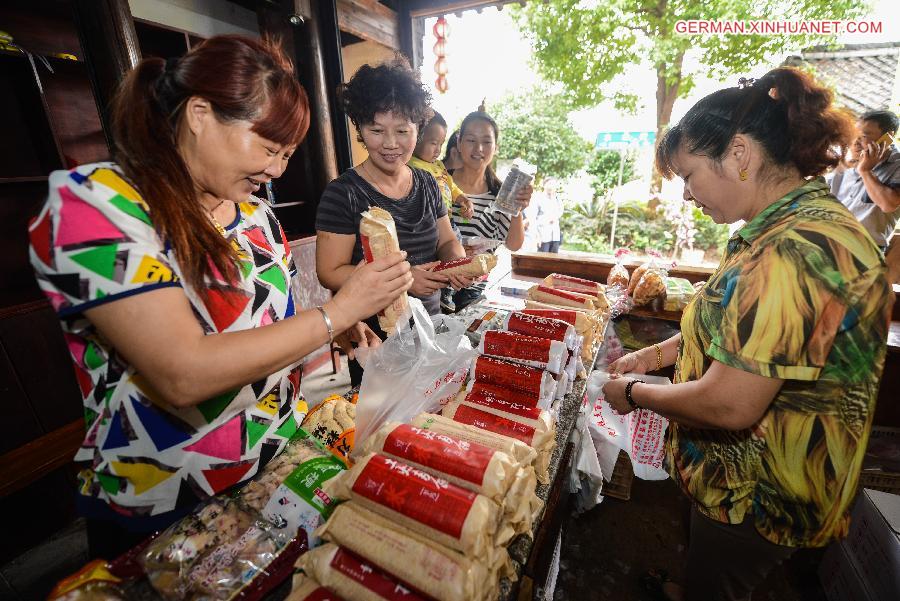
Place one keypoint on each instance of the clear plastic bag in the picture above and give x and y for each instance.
(640, 433)
(417, 369)
(520, 175)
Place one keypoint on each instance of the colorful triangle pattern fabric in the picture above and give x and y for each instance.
(225, 442)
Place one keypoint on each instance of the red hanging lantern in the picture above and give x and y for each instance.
(441, 31)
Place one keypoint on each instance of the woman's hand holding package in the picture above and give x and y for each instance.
(359, 336)
(524, 196)
(458, 282)
(466, 208)
(371, 288)
(614, 393)
(630, 363)
(426, 283)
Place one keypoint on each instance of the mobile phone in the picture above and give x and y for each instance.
(885, 139)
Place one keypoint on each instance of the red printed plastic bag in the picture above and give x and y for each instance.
(641, 433)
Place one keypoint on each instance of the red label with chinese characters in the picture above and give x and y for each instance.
(567, 316)
(371, 578)
(575, 283)
(451, 264)
(509, 375)
(501, 402)
(416, 494)
(494, 423)
(366, 248)
(507, 394)
(540, 327)
(572, 296)
(501, 343)
(458, 458)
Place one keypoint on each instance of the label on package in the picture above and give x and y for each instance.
(509, 375)
(572, 296)
(416, 494)
(458, 458)
(539, 327)
(479, 396)
(502, 343)
(494, 423)
(371, 578)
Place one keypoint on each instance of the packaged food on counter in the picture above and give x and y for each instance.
(212, 553)
(679, 293)
(378, 236)
(437, 571)
(530, 380)
(482, 321)
(618, 274)
(562, 298)
(652, 285)
(518, 450)
(492, 391)
(443, 512)
(539, 433)
(306, 588)
(93, 582)
(558, 280)
(471, 267)
(354, 578)
(541, 327)
(333, 422)
(636, 276)
(586, 324)
(289, 491)
(541, 353)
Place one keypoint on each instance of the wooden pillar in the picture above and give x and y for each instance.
(110, 45)
(326, 17)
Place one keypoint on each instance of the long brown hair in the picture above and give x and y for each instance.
(490, 176)
(243, 79)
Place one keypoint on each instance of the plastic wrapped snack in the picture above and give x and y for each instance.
(212, 553)
(441, 573)
(378, 235)
(561, 298)
(679, 293)
(443, 512)
(541, 353)
(93, 582)
(652, 285)
(518, 450)
(483, 322)
(531, 380)
(289, 490)
(333, 422)
(618, 274)
(539, 434)
(519, 177)
(493, 391)
(541, 327)
(305, 588)
(569, 282)
(636, 276)
(591, 325)
(472, 267)
(354, 578)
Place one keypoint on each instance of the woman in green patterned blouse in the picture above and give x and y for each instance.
(780, 355)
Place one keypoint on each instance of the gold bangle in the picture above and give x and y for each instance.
(658, 357)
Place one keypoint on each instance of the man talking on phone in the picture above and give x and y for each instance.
(869, 184)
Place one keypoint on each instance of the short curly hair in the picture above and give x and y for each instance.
(391, 86)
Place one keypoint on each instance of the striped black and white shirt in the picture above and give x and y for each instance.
(484, 223)
(347, 197)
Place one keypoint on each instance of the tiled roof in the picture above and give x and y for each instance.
(863, 75)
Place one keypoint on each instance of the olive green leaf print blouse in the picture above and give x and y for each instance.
(800, 295)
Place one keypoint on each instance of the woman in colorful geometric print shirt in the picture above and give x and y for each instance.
(780, 354)
(172, 285)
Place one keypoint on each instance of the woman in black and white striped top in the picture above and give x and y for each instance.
(477, 145)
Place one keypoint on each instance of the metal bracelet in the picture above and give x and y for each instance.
(628, 396)
(328, 323)
(658, 357)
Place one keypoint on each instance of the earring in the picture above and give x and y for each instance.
(742, 174)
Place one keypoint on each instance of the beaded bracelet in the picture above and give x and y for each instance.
(628, 396)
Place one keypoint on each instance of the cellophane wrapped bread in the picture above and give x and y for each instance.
(652, 285)
(513, 447)
(471, 267)
(636, 276)
(531, 380)
(541, 327)
(288, 491)
(469, 465)
(439, 572)
(378, 235)
(352, 577)
(539, 433)
(306, 588)
(443, 512)
(211, 553)
(541, 353)
(591, 325)
(333, 422)
(558, 280)
(562, 298)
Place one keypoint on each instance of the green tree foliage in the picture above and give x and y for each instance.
(586, 44)
(535, 126)
(603, 167)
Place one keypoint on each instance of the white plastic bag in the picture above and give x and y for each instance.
(586, 476)
(415, 370)
(640, 433)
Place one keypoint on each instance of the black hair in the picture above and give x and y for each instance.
(886, 120)
(490, 177)
(437, 119)
(391, 86)
(786, 111)
(452, 142)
